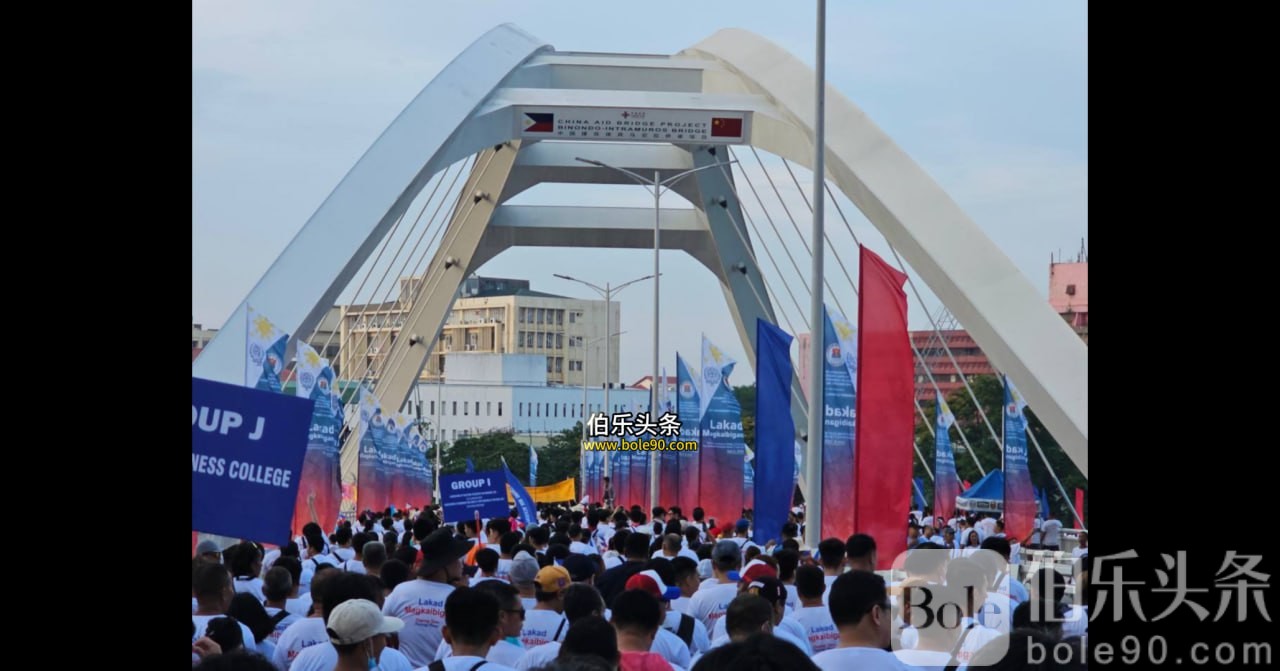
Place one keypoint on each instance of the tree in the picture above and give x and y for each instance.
(990, 393)
(746, 395)
(557, 460)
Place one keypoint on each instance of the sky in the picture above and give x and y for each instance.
(990, 99)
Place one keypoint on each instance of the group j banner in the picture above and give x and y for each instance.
(1019, 500)
(319, 487)
(247, 448)
(839, 412)
(687, 408)
(721, 450)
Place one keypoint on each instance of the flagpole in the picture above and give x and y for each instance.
(813, 455)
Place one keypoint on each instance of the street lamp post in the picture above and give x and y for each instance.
(586, 367)
(657, 187)
(607, 293)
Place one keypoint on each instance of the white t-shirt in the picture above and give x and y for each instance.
(269, 560)
(924, 660)
(299, 606)
(249, 586)
(344, 554)
(538, 657)
(502, 652)
(600, 538)
(420, 603)
(1051, 529)
(793, 598)
(529, 603)
(996, 612)
(789, 629)
(354, 566)
(671, 648)
(818, 627)
(542, 627)
(325, 657)
(710, 603)
(862, 659)
(826, 591)
(289, 619)
(297, 637)
(465, 664)
(701, 641)
(680, 605)
(1075, 621)
(504, 569)
(977, 637)
(1079, 552)
(309, 566)
(578, 547)
(202, 623)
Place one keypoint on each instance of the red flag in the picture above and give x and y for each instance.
(1080, 505)
(966, 484)
(886, 413)
(726, 127)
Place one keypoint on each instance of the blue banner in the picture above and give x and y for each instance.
(320, 485)
(1044, 502)
(264, 350)
(839, 400)
(247, 448)
(775, 432)
(1019, 500)
(687, 404)
(461, 495)
(946, 484)
(471, 468)
(524, 502)
(917, 493)
(533, 466)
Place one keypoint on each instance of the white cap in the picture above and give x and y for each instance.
(359, 620)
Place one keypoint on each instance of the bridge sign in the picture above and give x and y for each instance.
(633, 125)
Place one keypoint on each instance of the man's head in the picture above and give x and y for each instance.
(487, 560)
(637, 547)
(831, 553)
(343, 536)
(725, 557)
(671, 545)
(590, 644)
(748, 614)
(442, 558)
(998, 545)
(374, 556)
(770, 589)
(494, 530)
(743, 527)
(810, 583)
(925, 565)
(357, 628)
(581, 601)
(209, 551)
(859, 605)
(913, 535)
(510, 611)
(637, 614)
(471, 619)
(211, 585)
(550, 585)
(524, 571)
(968, 575)
(1084, 540)
(580, 568)
(861, 552)
(277, 585)
(539, 536)
(686, 575)
(788, 560)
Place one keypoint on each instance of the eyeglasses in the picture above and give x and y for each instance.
(519, 611)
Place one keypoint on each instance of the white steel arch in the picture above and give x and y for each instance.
(475, 105)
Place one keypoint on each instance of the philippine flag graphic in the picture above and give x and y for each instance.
(539, 122)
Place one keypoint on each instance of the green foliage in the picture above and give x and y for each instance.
(746, 395)
(556, 461)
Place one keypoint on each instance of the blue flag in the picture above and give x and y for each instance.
(775, 458)
(1044, 502)
(524, 502)
(533, 466)
(917, 491)
(471, 468)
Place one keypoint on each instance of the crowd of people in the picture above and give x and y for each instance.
(586, 588)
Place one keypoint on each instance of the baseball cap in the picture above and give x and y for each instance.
(552, 579)
(207, 546)
(770, 588)
(756, 569)
(524, 568)
(724, 555)
(704, 569)
(743, 524)
(580, 567)
(648, 581)
(359, 620)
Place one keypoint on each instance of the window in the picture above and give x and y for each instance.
(560, 313)
(547, 409)
(1071, 289)
(433, 407)
(477, 408)
(541, 337)
(455, 409)
(488, 408)
(953, 378)
(564, 409)
(571, 317)
(575, 365)
(555, 411)
(559, 341)
(464, 407)
(537, 410)
(548, 364)
(499, 408)
(455, 434)
(519, 409)
(542, 315)
(559, 364)
(520, 316)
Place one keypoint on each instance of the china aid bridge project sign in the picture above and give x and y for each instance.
(247, 448)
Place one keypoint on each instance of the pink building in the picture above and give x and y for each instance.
(1069, 293)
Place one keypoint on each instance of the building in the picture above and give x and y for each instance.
(1069, 292)
(324, 340)
(508, 392)
(646, 383)
(493, 315)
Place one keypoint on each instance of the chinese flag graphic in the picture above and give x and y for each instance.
(726, 127)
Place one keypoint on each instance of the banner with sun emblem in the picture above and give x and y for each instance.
(319, 490)
(369, 483)
(840, 374)
(1019, 498)
(264, 349)
(688, 405)
(721, 447)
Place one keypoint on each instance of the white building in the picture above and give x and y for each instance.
(508, 392)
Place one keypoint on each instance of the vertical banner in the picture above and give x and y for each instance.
(524, 502)
(668, 461)
(748, 477)
(1044, 502)
(1019, 501)
(839, 413)
(721, 448)
(1079, 508)
(471, 467)
(687, 408)
(533, 468)
(886, 408)
(775, 462)
(264, 352)
(946, 484)
(371, 495)
(406, 463)
(638, 473)
(319, 489)
(917, 493)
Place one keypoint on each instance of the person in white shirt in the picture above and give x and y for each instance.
(686, 578)
(766, 586)
(506, 650)
(358, 632)
(688, 633)
(356, 563)
(373, 556)
(276, 587)
(211, 584)
(581, 601)
(524, 573)
(997, 608)
(246, 566)
(316, 553)
(1050, 530)
(831, 556)
(748, 615)
(471, 628)
(710, 602)
(487, 562)
(859, 605)
(814, 615)
(934, 642)
(576, 544)
(968, 576)
(1005, 584)
(672, 548)
(309, 631)
(546, 623)
(421, 602)
(343, 552)
(1083, 548)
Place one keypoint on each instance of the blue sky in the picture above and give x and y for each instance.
(989, 98)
